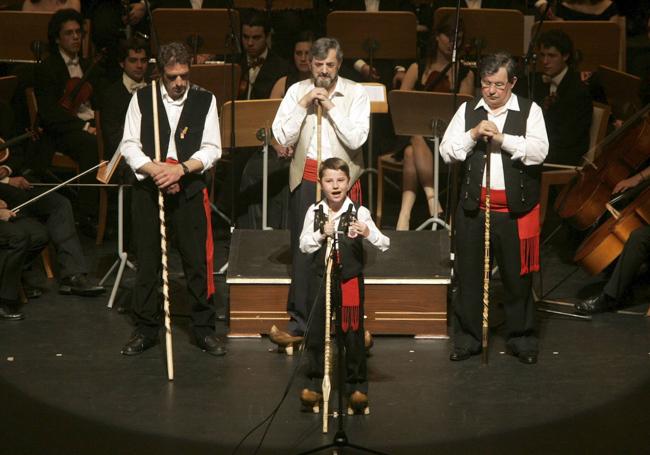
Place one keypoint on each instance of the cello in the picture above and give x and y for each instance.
(583, 200)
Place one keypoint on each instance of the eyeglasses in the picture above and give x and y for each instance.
(497, 85)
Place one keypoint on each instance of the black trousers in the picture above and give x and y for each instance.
(356, 372)
(187, 217)
(518, 304)
(21, 240)
(298, 304)
(55, 211)
(635, 253)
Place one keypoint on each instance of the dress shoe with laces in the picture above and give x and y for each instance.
(459, 354)
(10, 312)
(594, 305)
(138, 344)
(80, 285)
(212, 345)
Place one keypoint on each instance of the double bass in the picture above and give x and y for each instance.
(583, 201)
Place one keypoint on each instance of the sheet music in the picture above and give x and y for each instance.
(376, 93)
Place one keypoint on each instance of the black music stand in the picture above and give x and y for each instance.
(23, 36)
(425, 114)
(384, 35)
(621, 90)
(253, 119)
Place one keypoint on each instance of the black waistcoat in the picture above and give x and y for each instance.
(188, 134)
(521, 181)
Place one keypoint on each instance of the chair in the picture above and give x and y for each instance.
(385, 163)
(599, 120)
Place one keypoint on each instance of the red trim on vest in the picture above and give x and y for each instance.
(528, 229)
(350, 317)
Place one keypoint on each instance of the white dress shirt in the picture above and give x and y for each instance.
(531, 149)
(131, 85)
(554, 82)
(311, 241)
(131, 147)
(253, 72)
(351, 129)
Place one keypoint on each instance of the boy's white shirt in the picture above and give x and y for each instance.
(311, 241)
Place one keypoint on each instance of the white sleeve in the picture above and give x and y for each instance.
(457, 141)
(131, 147)
(352, 127)
(375, 237)
(533, 148)
(210, 150)
(310, 240)
(289, 118)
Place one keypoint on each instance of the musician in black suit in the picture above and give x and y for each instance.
(261, 67)
(564, 98)
(73, 133)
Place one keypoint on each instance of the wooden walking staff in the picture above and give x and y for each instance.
(319, 133)
(486, 262)
(163, 241)
(327, 385)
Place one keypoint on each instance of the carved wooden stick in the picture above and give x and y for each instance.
(163, 242)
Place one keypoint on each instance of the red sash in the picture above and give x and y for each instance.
(527, 227)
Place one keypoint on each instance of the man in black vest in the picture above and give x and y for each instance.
(190, 144)
(510, 131)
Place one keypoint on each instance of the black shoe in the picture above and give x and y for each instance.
(79, 285)
(527, 357)
(9, 312)
(138, 344)
(593, 305)
(32, 293)
(212, 345)
(459, 354)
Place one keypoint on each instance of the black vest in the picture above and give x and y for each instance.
(522, 182)
(190, 127)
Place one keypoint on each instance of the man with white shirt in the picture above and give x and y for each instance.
(564, 98)
(345, 123)
(190, 144)
(73, 133)
(509, 130)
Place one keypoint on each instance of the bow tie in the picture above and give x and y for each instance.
(137, 86)
(254, 63)
(73, 62)
(548, 80)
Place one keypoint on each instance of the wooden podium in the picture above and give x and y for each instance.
(406, 286)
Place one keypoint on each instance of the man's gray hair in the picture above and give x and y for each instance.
(491, 63)
(321, 47)
(173, 53)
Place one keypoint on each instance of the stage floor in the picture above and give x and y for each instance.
(65, 387)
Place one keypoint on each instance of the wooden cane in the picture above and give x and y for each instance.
(163, 242)
(319, 132)
(327, 385)
(486, 263)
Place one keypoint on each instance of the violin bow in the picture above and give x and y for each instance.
(163, 241)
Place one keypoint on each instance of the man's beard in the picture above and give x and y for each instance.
(325, 82)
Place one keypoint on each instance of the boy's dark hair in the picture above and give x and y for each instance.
(334, 164)
(257, 18)
(559, 40)
(58, 19)
(133, 44)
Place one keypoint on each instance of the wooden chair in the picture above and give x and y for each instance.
(599, 120)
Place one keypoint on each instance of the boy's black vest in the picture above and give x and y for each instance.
(522, 182)
(190, 126)
(351, 256)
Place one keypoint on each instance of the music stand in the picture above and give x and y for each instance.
(23, 36)
(591, 52)
(385, 35)
(205, 31)
(253, 119)
(622, 91)
(216, 77)
(490, 30)
(425, 114)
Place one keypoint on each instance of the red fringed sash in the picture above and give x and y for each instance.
(350, 316)
(527, 227)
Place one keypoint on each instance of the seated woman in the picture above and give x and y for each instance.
(433, 74)
(300, 69)
(582, 10)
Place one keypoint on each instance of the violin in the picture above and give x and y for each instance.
(5, 145)
(78, 90)
(583, 200)
(606, 243)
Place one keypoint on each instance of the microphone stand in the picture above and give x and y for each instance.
(530, 59)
